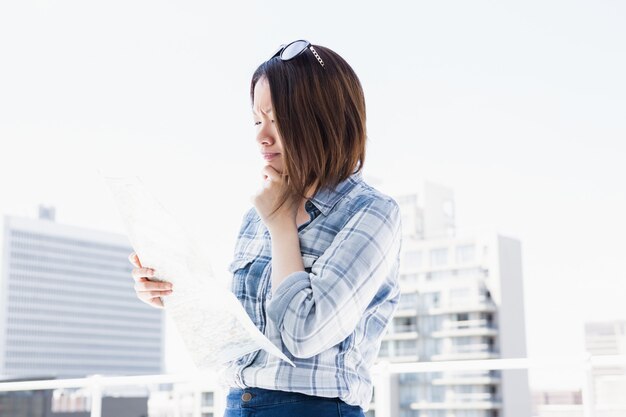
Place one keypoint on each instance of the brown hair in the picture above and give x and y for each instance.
(320, 115)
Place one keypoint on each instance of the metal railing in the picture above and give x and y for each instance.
(381, 373)
(584, 364)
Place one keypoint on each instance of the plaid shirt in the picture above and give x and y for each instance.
(329, 319)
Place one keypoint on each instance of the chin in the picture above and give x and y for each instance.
(277, 167)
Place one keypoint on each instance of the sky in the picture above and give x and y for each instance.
(517, 106)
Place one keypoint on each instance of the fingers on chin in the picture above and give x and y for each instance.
(271, 172)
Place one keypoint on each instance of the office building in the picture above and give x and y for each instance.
(67, 303)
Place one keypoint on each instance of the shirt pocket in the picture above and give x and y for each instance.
(239, 263)
(239, 269)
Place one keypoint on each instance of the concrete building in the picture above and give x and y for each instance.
(462, 299)
(67, 304)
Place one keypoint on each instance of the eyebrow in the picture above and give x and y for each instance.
(266, 111)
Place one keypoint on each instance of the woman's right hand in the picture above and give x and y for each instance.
(148, 291)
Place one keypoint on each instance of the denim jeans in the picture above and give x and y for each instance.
(259, 402)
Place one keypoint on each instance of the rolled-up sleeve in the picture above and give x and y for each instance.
(315, 311)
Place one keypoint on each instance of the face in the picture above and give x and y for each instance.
(267, 138)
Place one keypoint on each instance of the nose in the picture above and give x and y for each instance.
(265, 140)
(265, 136)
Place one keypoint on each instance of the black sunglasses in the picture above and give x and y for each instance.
(295, 48)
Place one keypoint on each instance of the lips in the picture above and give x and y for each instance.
(270, 156)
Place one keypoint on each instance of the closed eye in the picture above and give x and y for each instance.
(258, 123)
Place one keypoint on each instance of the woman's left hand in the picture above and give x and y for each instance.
(265, 199)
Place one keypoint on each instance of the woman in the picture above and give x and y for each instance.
(316, 260)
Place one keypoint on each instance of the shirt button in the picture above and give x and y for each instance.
(308, 205)
(246, 396)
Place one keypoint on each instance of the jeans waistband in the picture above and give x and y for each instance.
(253, 397)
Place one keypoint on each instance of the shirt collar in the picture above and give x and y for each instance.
(325, 199)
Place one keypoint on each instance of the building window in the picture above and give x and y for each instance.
(429, 300)
(408, 301)
(409, 279)
(465, 254)
(462, 316)
(439, 257)
(405, 324)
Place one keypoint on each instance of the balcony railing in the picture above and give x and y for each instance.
(403, 328)
(466, 324)
(381, 374)
(465, 331)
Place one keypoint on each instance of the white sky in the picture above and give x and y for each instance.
(517, 107)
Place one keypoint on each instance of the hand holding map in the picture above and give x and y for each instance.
(211, 321)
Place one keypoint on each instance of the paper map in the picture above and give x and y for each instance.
(211, 321)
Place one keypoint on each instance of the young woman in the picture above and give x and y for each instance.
(316, 260)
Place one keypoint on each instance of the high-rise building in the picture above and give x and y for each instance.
(67, 304)
(461, 299)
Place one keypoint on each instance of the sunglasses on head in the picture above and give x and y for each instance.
(295, 48)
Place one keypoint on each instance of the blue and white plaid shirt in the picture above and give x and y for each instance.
(329, 319)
